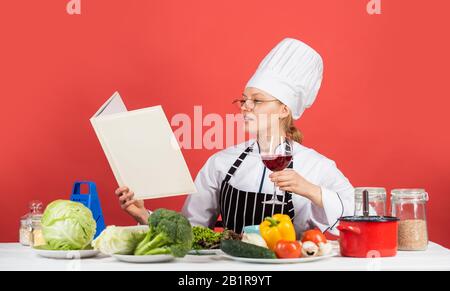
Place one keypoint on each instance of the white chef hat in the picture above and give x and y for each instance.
(292, 73)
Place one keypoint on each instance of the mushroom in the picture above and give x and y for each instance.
(309, 249)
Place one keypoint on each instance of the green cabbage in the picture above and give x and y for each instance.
(68, 225)
(121, 240)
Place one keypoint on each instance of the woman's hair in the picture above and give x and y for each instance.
(291, 130)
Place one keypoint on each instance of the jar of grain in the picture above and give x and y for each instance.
(409, 205)
(28, 221)
(37, 236)
(377, 201)
(25, 231)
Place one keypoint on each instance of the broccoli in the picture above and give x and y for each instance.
(169, 233)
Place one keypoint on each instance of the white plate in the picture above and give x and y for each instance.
(205, 252)
(144, 259)
(279, 261)
(68, 255)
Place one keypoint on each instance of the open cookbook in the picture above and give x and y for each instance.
(142, 150)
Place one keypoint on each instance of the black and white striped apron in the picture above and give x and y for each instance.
(241, 208)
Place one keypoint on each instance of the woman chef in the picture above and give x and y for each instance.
(234, 182)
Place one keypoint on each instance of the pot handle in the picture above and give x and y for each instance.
(349, 228)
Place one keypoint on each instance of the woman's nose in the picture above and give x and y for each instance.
(244, 108)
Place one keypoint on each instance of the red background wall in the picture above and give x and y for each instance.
(382, 113)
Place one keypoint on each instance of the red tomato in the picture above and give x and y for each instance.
(288, 249)
(314, 235)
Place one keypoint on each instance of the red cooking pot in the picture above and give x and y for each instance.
(368, 236)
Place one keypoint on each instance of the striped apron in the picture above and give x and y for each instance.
(241, 208)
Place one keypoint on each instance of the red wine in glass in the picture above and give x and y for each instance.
(276, 162)
(276, 154)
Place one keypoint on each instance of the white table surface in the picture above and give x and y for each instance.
(13, 256)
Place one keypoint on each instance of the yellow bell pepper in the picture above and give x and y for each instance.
(275, 228)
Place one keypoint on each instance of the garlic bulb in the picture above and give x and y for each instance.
(325, 249)
(254, 239)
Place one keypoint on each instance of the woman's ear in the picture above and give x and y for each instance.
(285, 111)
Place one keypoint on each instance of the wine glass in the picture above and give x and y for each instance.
(276, 154)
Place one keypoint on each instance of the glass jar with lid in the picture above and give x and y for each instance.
(409, 205)
(35, 220)
(37, 236)
(30, 233)
(25, 231)
(377, 201)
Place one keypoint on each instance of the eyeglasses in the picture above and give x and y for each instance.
(251, 103)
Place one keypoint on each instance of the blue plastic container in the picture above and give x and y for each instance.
(91, 201)
(251, 229)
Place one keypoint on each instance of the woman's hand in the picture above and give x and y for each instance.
(133, 207)
(289, 180)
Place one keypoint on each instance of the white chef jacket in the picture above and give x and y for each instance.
(202, 208)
